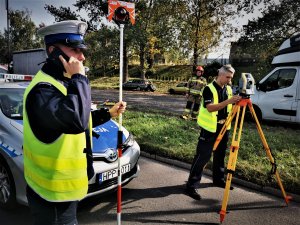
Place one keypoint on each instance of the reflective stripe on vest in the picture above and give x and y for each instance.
(56, 171)
(208, 120)
(198, 88)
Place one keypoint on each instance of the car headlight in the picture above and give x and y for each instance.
(129, 142)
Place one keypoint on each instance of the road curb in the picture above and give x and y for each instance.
(267, 190)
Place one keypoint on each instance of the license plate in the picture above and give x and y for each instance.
(113, 173)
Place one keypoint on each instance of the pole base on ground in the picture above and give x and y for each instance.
(222, 215)
(287, 199)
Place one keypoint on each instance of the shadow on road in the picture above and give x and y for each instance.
(134, 210)
(19, 216)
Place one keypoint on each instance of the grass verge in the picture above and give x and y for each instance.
(168, 136)
(171, 137)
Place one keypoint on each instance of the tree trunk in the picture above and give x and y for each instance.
(150, 61)
(196, 43)
(142, 61)
(196, 55)
(104, 70)
(125, 66)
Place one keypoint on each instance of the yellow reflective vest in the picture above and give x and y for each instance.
(56, 171)
(208, 120)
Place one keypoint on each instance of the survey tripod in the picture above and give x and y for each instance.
(234, 148)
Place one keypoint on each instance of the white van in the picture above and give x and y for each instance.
(277, 95)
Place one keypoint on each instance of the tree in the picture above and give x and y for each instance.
(205, 23)
(3, 49)
(263, 36)
(102, 49)
(22, 34)
(153, 30)
(201, 30)
(176, 27)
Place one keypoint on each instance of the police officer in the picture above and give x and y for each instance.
(195, 87)
(215, 106)
(58, 126)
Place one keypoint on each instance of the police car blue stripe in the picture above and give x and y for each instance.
(9, 150)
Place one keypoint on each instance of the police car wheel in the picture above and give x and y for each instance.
(7, 187)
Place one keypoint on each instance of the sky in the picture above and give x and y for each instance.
(39, 14)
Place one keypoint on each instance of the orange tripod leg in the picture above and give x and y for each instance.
(269, 154)
(234, 148)
(225, 126)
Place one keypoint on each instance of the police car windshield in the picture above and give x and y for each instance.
(11, 102)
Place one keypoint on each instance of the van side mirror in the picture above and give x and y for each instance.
(261, 87)
(257, 86)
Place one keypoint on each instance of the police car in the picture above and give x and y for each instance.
(12, 182)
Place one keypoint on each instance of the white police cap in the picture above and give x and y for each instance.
(68, 32)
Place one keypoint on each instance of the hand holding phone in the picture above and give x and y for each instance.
(69, 65)
(73, 66)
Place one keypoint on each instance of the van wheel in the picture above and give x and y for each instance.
(7, 187)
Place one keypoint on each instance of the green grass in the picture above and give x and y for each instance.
(105, 82)
(172, 137)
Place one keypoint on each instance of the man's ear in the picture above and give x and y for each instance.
(51, 48)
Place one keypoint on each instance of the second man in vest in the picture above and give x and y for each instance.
(215, 106)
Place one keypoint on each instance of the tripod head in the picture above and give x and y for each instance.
(244, 96)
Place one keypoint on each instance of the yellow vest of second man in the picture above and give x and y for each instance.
(208, 120)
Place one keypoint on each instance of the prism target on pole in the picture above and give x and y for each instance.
(121, 13)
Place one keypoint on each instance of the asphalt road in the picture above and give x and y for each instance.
(157, 197)
(174, 104)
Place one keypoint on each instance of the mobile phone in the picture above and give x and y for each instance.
(54, 57)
